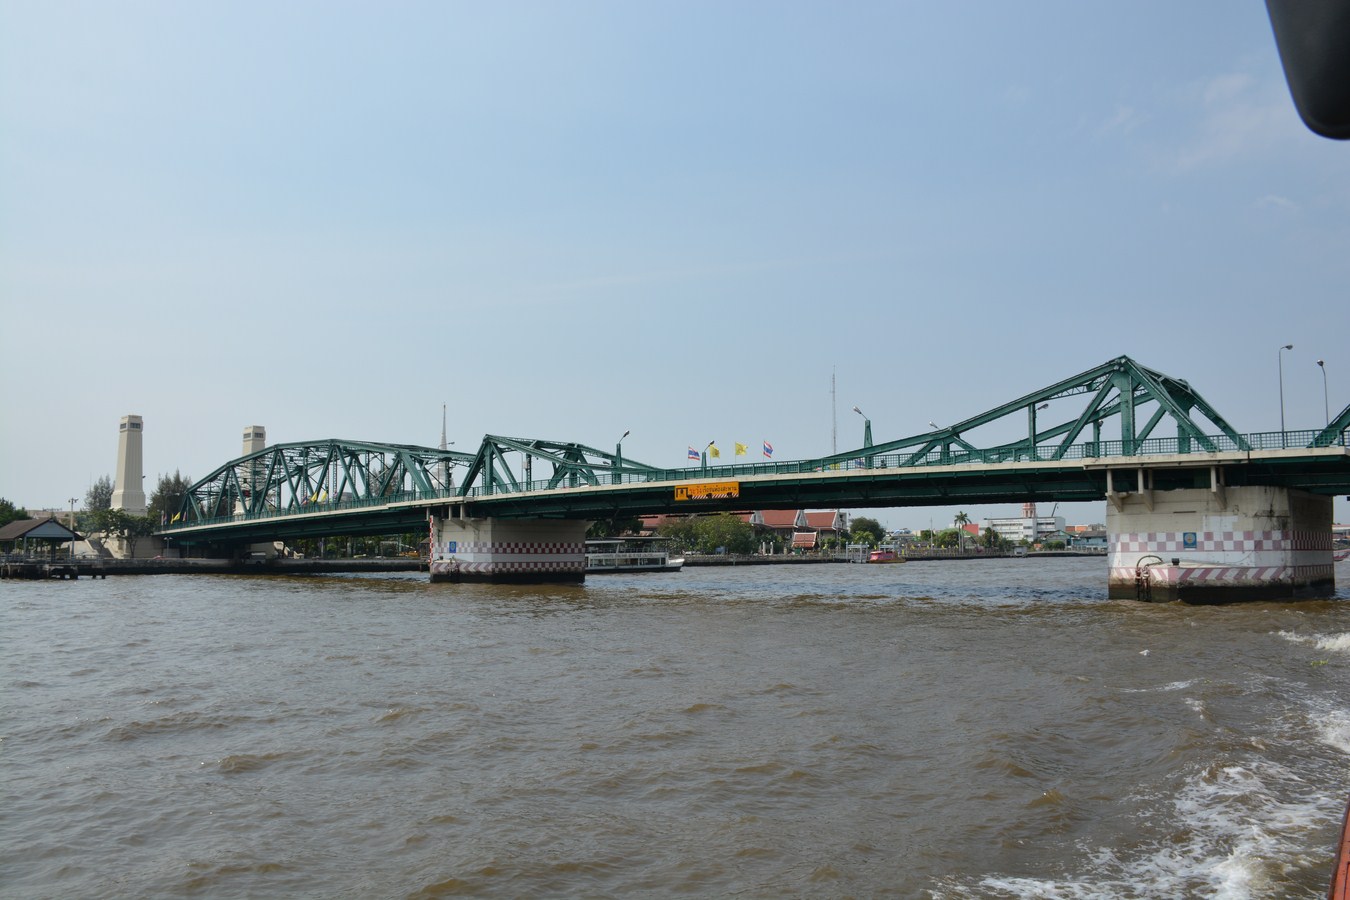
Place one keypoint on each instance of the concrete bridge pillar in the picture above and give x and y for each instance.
(508, 550)
(1219, 545)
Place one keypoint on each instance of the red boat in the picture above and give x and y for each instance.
(1340, 876)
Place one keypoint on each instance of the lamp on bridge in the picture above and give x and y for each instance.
(618, 458)
(1280, 356)
(867, 427)
(1326, 408)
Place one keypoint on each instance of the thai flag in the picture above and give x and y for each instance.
(693, 454)
(768, 449)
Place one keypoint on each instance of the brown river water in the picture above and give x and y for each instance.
(991, 728)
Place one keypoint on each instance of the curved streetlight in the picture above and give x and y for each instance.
(867, 427)
(1031, 431)
(1280, 356)
(1326, 409)
(618, 458)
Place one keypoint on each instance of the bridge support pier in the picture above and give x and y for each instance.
(1219, 545)
(518, 551)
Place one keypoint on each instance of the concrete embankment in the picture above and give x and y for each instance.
(102, 568)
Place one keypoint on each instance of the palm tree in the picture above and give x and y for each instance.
(961, 520)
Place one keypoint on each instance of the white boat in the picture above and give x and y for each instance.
(630, 554)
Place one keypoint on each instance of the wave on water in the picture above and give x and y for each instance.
(1333, 643)
(1231, 838)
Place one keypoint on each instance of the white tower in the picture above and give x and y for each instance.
(129, 489)
(255, 439)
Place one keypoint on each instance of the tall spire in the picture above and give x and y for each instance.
(447, 480)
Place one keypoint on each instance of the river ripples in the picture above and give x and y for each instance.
(992, 728)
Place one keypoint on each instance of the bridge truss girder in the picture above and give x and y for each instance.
(570, 465)
(296, 477)
(1118, 389)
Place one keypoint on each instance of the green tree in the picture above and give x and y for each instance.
(11, 513)
(167, 497)
(121, 524)
(681, 533)
(605, 528)
(724, 531)
(961, 520)
(99, 495)
(866, 531)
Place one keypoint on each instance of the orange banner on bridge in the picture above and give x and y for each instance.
(711, 490)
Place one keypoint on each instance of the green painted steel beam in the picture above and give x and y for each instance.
(355, 480)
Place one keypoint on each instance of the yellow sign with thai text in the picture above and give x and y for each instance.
(711, 490)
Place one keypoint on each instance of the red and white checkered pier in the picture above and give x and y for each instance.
(508, 550)
(1220, 546)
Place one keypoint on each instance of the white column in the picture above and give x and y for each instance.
(508, 550)
(1246, 543)
(128, 486)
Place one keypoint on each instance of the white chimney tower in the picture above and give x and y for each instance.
(129, 488)
(255, 439)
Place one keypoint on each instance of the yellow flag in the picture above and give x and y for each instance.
(741, 448)
(323, 496)
(713, 451)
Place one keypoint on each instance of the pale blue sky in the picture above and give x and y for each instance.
(571, 220)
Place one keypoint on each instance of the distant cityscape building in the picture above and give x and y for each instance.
(1031, 529)
(129, 487)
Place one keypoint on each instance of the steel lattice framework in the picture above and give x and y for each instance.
(569, 465)
(1050, 443)
(1120, 389)
(293, 478)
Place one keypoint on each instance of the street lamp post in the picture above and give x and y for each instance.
(72, 526)
(704, 454)
(867, 432)
(1031, 429)
(618, 459)
(1326, 408)
(1280, 357)
(946, 447)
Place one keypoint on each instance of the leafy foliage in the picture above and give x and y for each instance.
(605, 528)
(866, 531)
(120, 523)
(167, 497)
(99, 495)
(11, 513)
(708, 534)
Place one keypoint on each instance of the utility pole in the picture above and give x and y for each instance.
(834, 416)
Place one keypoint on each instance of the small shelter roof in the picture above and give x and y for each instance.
(40, 529)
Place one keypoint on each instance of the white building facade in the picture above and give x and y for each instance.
(1032, 529)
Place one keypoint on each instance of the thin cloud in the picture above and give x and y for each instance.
(1275, 202)
(1123, 121)
(695, 273)
(1236, 117)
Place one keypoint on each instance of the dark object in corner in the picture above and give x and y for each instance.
(1313, 37)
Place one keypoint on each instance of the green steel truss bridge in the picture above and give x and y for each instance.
(1118, 427)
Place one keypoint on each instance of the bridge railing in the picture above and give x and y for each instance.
(1273, 440)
